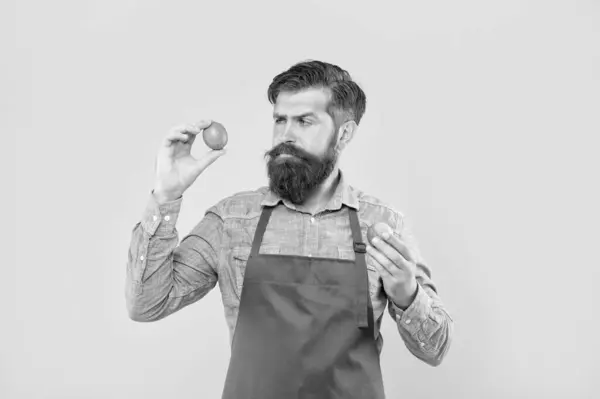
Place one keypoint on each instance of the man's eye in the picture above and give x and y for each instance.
(304, 122)
(279, 120)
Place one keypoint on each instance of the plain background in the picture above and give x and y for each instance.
(481, 127)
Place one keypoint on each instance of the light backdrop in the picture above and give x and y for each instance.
(481, 127)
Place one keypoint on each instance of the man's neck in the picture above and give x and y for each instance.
(322, 194)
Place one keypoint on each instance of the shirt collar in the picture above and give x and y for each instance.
(344, 195)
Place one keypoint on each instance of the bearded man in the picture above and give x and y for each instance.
(304, 294)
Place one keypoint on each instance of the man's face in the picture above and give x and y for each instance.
(304, 144)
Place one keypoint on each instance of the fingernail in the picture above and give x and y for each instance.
(385, 235)
(376, 240)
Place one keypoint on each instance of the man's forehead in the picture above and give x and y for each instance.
(302, 102)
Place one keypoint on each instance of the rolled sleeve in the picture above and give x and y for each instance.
(160, 219)
(425, 326)
(163, 275)
(415, 315)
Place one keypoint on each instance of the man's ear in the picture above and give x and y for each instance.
(346, 133)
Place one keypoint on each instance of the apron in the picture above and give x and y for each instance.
(305, 328)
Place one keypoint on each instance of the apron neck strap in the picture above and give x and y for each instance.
(265, 215)
(358, 244)
(363, 309)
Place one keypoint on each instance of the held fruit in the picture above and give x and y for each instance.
(215, 136)
(378, 229)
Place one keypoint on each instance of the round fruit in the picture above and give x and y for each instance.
(215, 136)
(378, 229)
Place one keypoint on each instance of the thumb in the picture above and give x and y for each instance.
(209, 158)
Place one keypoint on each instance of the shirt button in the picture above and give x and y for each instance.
(312, 219)
(422, 344)
(154, 218)
(407, 321)
(142, 257)
(167, 218)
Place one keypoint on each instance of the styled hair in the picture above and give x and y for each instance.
(348, 101)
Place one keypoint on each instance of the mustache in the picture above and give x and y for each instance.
(288, 149)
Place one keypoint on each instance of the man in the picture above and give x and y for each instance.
(306, 323)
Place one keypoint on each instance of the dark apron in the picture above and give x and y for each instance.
(305, 328)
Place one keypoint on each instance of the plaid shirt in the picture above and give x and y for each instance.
(165, 275)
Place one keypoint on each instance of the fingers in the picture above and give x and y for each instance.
(176, 136)
(388, 251)
(399, 246)
(389, 257)
(203, 124)
(186, 133)
(178, 133)
(193, 128)
(381, 262)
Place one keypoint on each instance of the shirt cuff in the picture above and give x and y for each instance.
(415, 315)
(160, 219)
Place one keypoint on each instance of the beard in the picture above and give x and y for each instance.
(294, 178)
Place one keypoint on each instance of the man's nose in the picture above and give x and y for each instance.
(289, 134)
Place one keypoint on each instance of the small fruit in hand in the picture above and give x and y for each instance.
(215, 136)
(378, 229)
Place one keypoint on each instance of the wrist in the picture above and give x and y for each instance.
(407, 296)
(163, 197)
